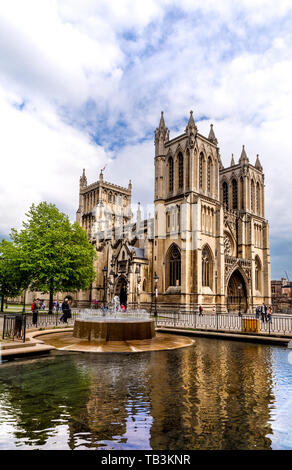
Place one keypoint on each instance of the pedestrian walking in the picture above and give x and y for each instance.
(263, 316)
(200, 310)
(269, 316)
(258, 311)
(66, 311)
(35, 311)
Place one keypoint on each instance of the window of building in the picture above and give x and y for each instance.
(170, 175)
(225, 195)
(257, 274)
(234, 194)
(209, 175)
(174, 267)
(252, 196)
(180, 171)
(258, 198)
(206, 268)
(201, 171)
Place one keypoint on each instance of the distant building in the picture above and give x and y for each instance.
(282, 295)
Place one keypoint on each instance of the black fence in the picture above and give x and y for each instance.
(281, 325)
(14, 327)
(43, 320)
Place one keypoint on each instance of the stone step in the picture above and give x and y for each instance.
(15, 345)
(36, 349)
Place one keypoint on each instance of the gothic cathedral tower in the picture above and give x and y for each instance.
(211, 243)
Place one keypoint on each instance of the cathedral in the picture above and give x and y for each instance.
(207, 243)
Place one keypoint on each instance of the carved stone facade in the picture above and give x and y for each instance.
(208, 242)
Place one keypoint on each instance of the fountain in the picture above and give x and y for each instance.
(114, 329)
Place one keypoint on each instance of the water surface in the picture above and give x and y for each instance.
(213, 395)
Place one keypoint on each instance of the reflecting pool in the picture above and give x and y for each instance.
(213, 395)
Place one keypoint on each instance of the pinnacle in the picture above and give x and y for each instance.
(162, 123)
(243, 156)
(232, 160)
(258, 163)
(212, 136)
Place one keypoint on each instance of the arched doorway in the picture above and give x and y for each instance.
(121, 291)
(236, 293)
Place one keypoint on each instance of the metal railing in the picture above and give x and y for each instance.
(224, 322)
(43, 320)
(14, 326)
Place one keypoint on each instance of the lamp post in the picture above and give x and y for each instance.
(239, 295)
(156, 293)
(104, 285)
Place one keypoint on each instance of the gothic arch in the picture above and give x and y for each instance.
(170, 173)
(202, 170)
(234, 189)
(207, 266)
(258, 274)
(237, 291)
(252, 195)
(210, 174)
(173, 266)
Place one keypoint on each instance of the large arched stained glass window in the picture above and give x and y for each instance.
(174, 267)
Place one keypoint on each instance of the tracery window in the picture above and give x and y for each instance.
(209, 175)
(206, 268)
(174, 267)
(201, 170)
(234, 194)
(225, 195)
(170, 174)
(180, 171)
(257, 274)
(252, 196)
(258, 198)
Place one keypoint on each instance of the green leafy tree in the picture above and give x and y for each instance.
(56, 253)
(13, 278)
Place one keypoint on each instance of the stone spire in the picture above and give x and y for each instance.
(191, 130)
(258, 164)
(212, 136)
(191, 126)
(83, 180)
(243, 157)
(161, 135)
(161, 130)
(232, 160)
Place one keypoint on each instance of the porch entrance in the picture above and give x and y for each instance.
(236, 293)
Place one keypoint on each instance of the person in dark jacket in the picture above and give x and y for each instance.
(66, 311)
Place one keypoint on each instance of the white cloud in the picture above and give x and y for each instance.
(96, 64)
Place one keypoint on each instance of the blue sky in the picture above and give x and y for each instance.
(82, 84)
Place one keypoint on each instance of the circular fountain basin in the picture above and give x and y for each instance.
(105, 329)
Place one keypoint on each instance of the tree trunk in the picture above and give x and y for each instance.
(2, 303)
(51, 301)
(24, 298)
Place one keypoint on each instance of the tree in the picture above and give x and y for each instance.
(57, 253)
(13, 279)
